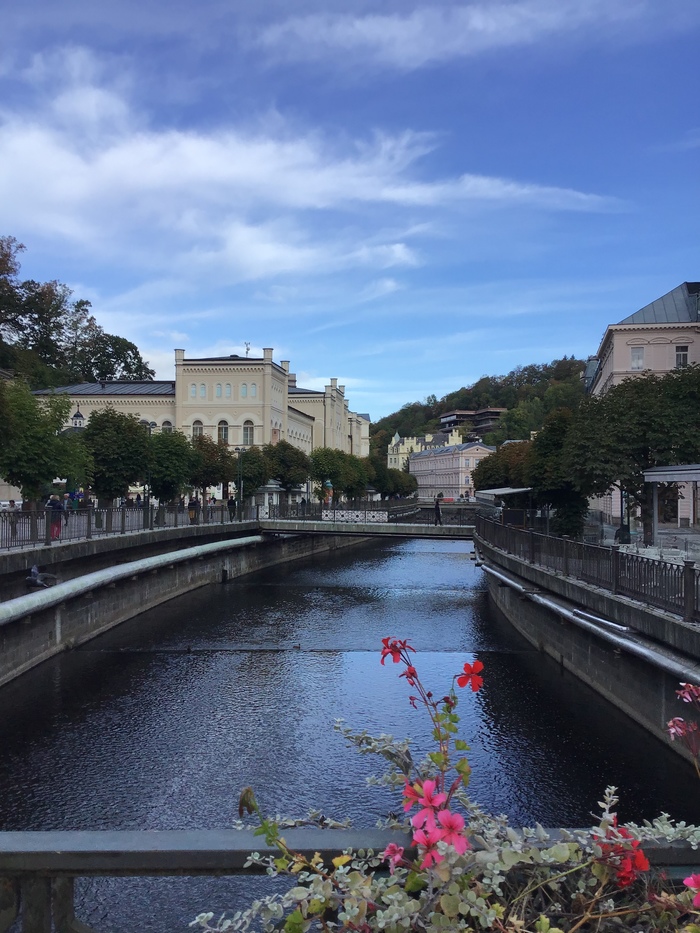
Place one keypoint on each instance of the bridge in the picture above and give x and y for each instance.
(367, 529)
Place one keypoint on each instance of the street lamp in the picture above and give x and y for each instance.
(239, 481)
(149, 425)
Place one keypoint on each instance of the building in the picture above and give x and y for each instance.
(657, 338)
(480, 422)
(240, 401)
(661, 336)
(447, 470)
(401, 448)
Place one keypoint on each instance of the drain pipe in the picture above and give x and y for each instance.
(618, 635)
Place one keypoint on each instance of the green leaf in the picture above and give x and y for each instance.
(414, 882)
(294, 922)
(450, 905)
(461, 745)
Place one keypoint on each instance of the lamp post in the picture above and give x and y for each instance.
(239, 481)
(149, 425)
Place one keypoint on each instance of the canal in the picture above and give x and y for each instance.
(159, 723)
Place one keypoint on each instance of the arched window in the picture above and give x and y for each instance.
(248, 433)
(202, 391)
(218, 390)
(197, 429)
(228, 390)
(222, 434)
(167, 427)
(244, 391)
(253, 390)
(193, 391)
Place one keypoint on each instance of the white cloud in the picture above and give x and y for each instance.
(380, 289)
(436, 33)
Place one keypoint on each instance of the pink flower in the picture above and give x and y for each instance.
(429, 801)
(453, 826)
(428, 841)
(411, 795)
(471, 676)
(393, 854)
(689, 693)
(693, 882)
(676, 728)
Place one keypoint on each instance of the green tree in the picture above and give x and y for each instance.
(33, 451)
(121, 452)
(209, 464)
(171, 463)
(288, 465)
(505, 467)
(102, 356)
(643, 422)
(256, 470)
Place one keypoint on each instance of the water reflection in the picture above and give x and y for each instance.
(158, 724)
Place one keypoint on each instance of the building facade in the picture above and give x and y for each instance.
(401, 448)
(447, 470)
(240, 401)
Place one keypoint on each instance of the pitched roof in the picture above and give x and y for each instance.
(679, 306)
(112, 387)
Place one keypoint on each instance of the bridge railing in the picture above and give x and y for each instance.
(667, 585)
(38, 869)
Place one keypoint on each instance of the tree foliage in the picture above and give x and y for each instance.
(53, 340)
(120, 449)
(255, 469)
(171, 464)
(288, 465)
(33, 451)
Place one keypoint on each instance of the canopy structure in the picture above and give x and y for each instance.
(490, 495)
(682, 473)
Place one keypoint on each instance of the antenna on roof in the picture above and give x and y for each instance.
(247, 348)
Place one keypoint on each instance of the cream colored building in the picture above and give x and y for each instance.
(241, 401)
(447, 470)
(401, 448)
(661, 336)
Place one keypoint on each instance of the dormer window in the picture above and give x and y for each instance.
(77, 421)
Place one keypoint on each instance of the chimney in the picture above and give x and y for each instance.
(179, 356)
(285, 365)
(292, 381)
(334, 383)
(267, 353)
(341, 389)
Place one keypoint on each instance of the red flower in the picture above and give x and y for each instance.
(693, 882)
(393, 854)
(428, 840)
(453, 830)
(394, 647)
(410, 674)
(471, 676)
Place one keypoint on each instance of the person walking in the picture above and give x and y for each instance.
(54, 513)
(231, 503)
(66, 507)
(13, 509)
(438, 513)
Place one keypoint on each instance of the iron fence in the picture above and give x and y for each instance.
(667, 585)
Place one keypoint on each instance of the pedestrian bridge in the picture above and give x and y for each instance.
(366, 529)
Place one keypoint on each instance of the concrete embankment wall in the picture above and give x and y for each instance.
(36, 626)
(602, 639)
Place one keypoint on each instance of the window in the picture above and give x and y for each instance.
(637, 358)
(197, 429)
(253, 390)
(244, 391)
(248, 433)
(193, 391)
(202, 391)
(222, 434)
(681, 357)
(218, 390)
(228, 390)
(167, 427)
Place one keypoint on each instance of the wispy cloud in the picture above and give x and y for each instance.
(430, 34)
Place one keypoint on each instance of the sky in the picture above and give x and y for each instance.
(404, 195)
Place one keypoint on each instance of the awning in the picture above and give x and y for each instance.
(687, 473)
(488, 495)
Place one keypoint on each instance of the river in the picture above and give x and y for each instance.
(160, 722)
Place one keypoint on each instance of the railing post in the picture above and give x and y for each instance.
(123, 519)
(565, 562)
(615, 567)
(531, 558)
(688, 590)
(36, 905)
(88, 522)
(33, 526)
(177, 508)
(48, 514)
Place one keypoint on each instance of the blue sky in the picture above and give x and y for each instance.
(406, 196)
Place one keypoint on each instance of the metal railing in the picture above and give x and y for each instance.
(38, 869)
(667, 585)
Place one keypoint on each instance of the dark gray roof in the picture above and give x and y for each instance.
(109, 388)
(679, 306)
(362, 414)
(297, 391)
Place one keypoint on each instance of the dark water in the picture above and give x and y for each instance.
(159, 723)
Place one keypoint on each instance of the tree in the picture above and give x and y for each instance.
(102, 356)
(209, 463)
(643, 422)
(120, 449)
(504, 467)
(288, 465)
(348, 474)
(33, 451)
(171, 464)
(255, 469)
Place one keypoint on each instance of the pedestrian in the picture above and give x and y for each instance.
(231, 503)
(138, 500)
(303, 506)
(13, 509)
(66, 506)
(438, 513)
(54, 512)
